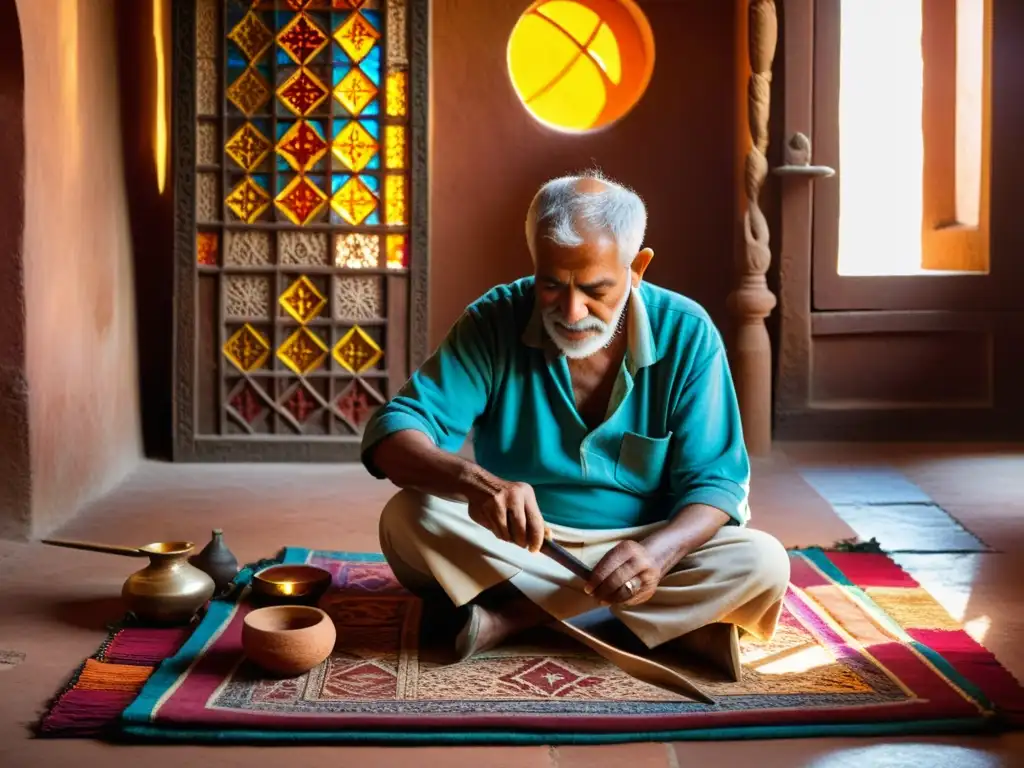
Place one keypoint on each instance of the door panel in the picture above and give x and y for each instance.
(911, 356)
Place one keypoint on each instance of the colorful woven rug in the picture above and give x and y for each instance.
(861, 649)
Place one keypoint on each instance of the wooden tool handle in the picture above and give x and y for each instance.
(91, 546)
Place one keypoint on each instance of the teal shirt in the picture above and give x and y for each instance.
(672, 436)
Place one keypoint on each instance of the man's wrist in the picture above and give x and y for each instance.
(476, 483)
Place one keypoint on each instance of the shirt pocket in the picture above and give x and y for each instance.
(641, 463)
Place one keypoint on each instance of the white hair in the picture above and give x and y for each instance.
(559, 206)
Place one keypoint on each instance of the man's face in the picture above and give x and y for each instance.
(582, 292)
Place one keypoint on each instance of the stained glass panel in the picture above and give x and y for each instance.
(302, 151)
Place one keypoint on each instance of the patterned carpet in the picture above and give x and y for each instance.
(861, 649)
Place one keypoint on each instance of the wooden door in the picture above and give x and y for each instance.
(300, 188)
(902, 281)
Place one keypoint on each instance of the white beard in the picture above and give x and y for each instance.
(578, 349)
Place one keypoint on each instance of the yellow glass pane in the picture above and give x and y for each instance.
(575, 18)
(248, 200)
(302, 146)
(302, 352)
(302, 300)
(251, 36)
(604, 49)
(394, 194)
(576, 101)
(355, 91)
(397, 93)
(537, 53)
(357, 350)
(301, 201)
(354, 146)
(357, 251)
(247, 147)
(394, 145)
(247, 348)
(249, 92)
(396, 252)
(302, 92)
(356, 36)
(354, 201)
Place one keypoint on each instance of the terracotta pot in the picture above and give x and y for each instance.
(288, 640)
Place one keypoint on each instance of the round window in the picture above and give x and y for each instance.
(580, 65)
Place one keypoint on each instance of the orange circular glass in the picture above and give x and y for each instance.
(580, 65)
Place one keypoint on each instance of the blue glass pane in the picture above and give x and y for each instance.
(374, 17)
(372, 183)
(283, 59)
(235, 56)
(236, 12)
(373, 219)
(371, 65)
(338, 181)
(338, 56)
(263, 180)
(338, 72)
(283, 179)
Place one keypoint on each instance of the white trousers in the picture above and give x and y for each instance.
(739, 577)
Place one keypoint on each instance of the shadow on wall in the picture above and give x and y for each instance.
(150, 211)
(15, 461)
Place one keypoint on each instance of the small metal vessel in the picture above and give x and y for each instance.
(167, 591)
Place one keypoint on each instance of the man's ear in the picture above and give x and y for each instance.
(639, 265)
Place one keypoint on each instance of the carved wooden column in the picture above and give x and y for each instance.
(752, 302)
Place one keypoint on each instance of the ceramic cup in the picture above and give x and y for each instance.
(288, 640)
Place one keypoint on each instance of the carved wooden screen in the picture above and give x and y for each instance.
(300, 160)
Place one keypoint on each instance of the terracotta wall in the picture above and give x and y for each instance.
(80, 352)
(677, 149)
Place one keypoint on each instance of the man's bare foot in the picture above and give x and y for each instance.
(718, 644)
(495, 616)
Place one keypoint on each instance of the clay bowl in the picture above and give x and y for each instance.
(303, 584)
(288, 640)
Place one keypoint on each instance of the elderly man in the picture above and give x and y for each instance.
(603, 416)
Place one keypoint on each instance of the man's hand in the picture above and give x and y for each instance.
(628, 562)
(510, 512)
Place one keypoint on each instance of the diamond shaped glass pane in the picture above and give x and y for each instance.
(251, 36)
(354, 146)
(301, 201)
(355, 91)
(302, 352)
(354, 201)
(302, 92)
(247, 348)
(357, 403)
(248, 147)
(356, 37)
(249, 92)
(302, 39)
(247, 403)
(302, 300)
(302, 146)
(357, 351)
(248, 200)
(300, 403)
(397, 93)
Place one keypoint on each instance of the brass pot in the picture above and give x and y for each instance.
(167, 591)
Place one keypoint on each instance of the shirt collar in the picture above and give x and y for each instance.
(641, 351)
